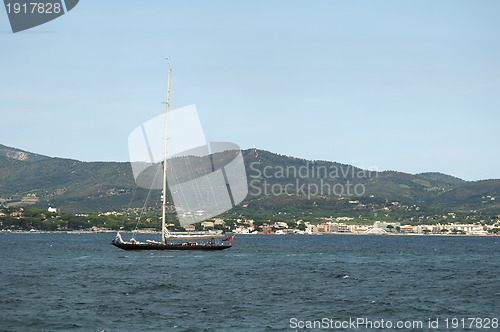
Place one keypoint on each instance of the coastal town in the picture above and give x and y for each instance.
(377, 228)
(23, 219)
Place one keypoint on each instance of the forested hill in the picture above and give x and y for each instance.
(74, 186)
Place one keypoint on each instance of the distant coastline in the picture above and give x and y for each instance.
(243, 234)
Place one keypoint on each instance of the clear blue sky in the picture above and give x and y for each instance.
(412, 86)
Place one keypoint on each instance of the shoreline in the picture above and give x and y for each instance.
(315, 234)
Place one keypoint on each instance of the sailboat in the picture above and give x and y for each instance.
(169, 241)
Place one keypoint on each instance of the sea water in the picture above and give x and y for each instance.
(80, 282)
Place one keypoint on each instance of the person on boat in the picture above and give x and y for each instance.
(118, 238)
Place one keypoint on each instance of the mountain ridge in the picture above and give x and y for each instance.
(77, 186)
(18, 154)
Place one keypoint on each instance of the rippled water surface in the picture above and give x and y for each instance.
(82, 282)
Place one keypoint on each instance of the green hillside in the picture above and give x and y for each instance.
(441, 178)
(75, 186)
(71, 185)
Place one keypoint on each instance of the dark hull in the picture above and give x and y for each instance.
(154, 246)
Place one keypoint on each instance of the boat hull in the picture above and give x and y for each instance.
(180, 246)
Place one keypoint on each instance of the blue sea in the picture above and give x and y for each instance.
(80, 282)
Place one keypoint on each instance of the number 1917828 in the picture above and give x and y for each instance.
(471, 323)
(33, 8)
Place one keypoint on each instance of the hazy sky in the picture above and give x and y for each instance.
(412, 86)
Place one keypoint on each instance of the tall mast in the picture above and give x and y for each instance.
(164, 203)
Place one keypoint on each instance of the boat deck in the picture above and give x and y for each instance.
(168, 246)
